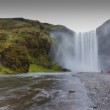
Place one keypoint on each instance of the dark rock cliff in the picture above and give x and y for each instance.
(103, 34)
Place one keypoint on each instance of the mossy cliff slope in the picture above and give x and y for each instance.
(25, 46)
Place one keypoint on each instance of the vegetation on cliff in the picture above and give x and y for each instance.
(25, 46)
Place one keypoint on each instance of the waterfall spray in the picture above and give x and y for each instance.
(77, 52)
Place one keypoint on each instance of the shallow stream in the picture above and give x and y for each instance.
(43, 91)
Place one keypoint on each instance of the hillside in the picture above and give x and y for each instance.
(25, 46)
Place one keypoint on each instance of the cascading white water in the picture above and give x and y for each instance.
(86, 51)
(77, 52)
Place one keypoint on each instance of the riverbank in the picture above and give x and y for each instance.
(98, 88)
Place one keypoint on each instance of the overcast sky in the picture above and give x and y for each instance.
(78, 15)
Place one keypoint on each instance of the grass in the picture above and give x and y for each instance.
(33, 68)
(4, 70)
(37, 68)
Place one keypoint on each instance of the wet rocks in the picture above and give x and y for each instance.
(66, 70)
(71, 91)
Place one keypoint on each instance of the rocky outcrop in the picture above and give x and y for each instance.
(103, 34)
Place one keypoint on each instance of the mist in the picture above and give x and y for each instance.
(77, 52)
(62, 49)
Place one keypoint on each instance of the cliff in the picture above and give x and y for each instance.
(25, 46)
(103, 34)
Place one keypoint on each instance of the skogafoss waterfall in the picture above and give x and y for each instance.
(77, 52)
(86, 51)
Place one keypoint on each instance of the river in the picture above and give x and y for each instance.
(43, 91)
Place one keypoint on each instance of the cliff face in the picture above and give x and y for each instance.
(103, 33)
(25, 46)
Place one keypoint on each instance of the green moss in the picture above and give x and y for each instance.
(56, 68)
(37, 68)
(15, 57)
(4, 70)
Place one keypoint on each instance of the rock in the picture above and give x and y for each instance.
(71, 91)
(94, 107)
(66, 70)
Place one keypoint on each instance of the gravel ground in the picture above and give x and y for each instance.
(98, 89)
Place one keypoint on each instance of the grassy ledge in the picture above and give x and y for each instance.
(37, 68)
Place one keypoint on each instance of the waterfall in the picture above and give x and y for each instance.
(86, 51)
(77, 52)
